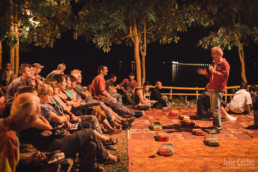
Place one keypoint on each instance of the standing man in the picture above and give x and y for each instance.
(218, 76)
(129, 86)
(23, 80)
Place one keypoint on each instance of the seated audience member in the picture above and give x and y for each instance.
(57, 118)
(2, 96)
(162, 101)
(79, 88)
(60, 70)
(255, 107)
(80, 93)
(23, 80)
(129, 85)
(20, 90)
(24, 114)
(143, 103)
(60, 110)
(203, 106)
(242, 101)
(81, 110)
(98, 86)
(84, 142)
(38, 77)
(253, 91)
(6, 75)
(112, 89)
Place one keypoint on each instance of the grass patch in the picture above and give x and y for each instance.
(121, 146)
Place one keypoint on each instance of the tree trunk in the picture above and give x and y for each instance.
(144, 53)
(240, 47)
(16, 59)
(137, 55)
(241, 57)
(242, 60)
(1, 55)
(12, 48)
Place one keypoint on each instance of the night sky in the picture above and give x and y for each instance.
(83, 55)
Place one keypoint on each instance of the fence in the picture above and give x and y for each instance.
(197, 92)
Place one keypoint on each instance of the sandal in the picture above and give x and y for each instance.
(111, 141)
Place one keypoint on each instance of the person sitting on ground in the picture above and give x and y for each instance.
(38, 77)
(129, 85)
(112, 89)
(253, 91)
(23, 80)
(24, 114)
(162, 101)
(255, 108)
(143, 103)
(241, 102)
(98, 87)
(7, 75)
(60, 70)
(203, 106)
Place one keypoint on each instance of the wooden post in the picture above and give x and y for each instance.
(197, 92)
(170, 93)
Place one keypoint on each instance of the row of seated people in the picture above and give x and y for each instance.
(128, 86)
(64, 104)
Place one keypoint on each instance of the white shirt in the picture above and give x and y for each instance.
(239, 101)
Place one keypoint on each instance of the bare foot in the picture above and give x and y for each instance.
(113, 159)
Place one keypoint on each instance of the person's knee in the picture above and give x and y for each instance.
(92, 146)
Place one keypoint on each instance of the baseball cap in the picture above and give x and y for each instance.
(38, 66)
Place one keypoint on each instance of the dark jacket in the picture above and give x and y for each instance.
(156, 95)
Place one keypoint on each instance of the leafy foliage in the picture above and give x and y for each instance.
(40, 21)
(106, 22)
(234, 19)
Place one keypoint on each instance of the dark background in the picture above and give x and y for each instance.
(86, 57)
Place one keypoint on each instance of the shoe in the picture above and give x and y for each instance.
(126, 125)
(187, 106)
(214, 131)
(131, 120)
(230, 118)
